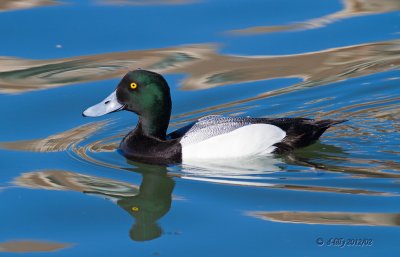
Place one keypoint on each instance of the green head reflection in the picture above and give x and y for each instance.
(151, 203)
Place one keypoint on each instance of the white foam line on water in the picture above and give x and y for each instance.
(230, 182)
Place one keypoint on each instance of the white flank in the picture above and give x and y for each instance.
(250, 140)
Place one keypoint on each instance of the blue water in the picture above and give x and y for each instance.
(66, 191)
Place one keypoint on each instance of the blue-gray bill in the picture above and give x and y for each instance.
(108, 105)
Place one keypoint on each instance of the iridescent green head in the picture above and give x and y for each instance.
(143, 92)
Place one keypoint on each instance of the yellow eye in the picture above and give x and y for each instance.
(133, 85)
(135, 209)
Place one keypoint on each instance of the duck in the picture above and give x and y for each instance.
(213, 137)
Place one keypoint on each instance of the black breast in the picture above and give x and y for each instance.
(146, 149)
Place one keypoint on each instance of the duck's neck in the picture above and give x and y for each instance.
(154, 125)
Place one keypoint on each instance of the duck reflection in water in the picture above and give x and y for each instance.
(146, 205)
(151, 203)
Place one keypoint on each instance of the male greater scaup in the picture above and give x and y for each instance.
(147, 94)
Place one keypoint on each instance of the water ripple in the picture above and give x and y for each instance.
(204, 66)
(331, 218)
(351, 8)
(10, 5)
(143, 2)
(31, 246)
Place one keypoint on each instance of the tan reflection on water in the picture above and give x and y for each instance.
(204, 67)
(331, 218)
(21, 75)
(58, 142)
(381, 109)
(9, 5)
(69, 141)
(31, 246)
(351, 8)
(143, 2)
(72, 181)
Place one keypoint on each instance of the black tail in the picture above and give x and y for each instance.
(323, 125)
(304, 133)
(328, 123)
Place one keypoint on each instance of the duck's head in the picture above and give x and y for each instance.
(140, 91)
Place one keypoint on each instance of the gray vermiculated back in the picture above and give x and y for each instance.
(211, 126)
